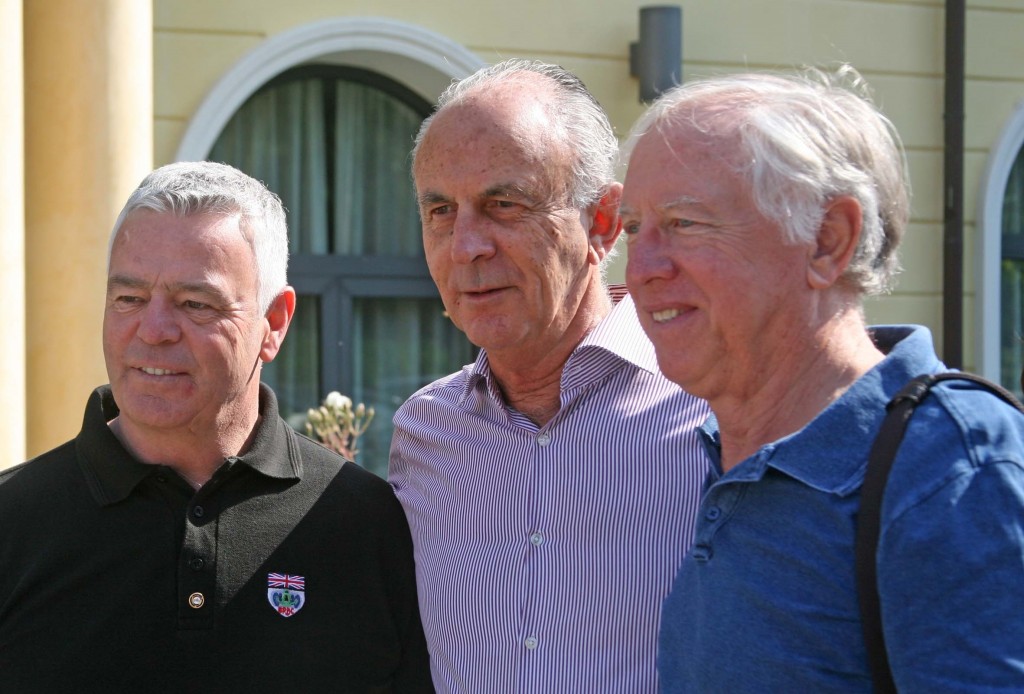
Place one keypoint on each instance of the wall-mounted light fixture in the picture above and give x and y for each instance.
(657, 58)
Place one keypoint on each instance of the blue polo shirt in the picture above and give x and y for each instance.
(766, 599)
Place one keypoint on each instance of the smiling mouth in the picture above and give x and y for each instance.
(665, 315)
(156, 372)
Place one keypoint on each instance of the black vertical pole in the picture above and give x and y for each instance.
(953, 188)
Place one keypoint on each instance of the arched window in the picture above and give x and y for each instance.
(369, 321)
(1012, 278)
(1000, 274)
(334, 142)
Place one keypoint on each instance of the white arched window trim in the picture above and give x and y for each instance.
(420, 59)
(989, 242)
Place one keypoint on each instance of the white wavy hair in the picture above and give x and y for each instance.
(803, 140)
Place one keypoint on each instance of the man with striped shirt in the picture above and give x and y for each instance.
(550, 486)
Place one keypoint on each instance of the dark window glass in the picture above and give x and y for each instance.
(334, 143)
(1012, 279)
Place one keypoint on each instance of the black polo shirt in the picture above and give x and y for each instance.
(290, 568)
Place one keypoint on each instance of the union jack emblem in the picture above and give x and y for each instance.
(286, 581)
(286, 593)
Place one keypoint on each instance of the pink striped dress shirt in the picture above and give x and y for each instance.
(543, 555)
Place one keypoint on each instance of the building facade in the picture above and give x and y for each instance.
(320, 99)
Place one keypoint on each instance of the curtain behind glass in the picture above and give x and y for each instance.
(430, 348)
(364, 207)
(278, 137)
(375, 205)
(1012, 281)
(295, 373)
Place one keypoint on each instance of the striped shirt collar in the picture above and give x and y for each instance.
(618, 335)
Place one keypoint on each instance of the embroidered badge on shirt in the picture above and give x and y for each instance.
(286, 593)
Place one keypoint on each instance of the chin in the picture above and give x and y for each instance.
(150, 411)
(673, 368)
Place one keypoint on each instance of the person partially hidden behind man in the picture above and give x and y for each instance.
(551, 486)
(759, 211)
(187, 539)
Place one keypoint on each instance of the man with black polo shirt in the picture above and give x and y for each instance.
(187, 538)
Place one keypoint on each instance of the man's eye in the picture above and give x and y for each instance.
(630, 228)
(504, 204)
(126, 299)
(439, 210)
(195, 305)
(682, 223)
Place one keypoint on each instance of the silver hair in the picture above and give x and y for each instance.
(203, 187)
(584, 125)
(804, 140)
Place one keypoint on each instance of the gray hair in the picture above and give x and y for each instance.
(802, 141)
(203, 187)
(583, 123)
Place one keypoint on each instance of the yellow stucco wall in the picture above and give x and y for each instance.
(88, 142)
(12, 234)
(88, 79)
(898, 46)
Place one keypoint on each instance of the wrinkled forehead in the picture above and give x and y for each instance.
(688, 143)
(492, 125)
(480, 143)
(200, 232)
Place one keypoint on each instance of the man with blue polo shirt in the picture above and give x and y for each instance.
(759, 211)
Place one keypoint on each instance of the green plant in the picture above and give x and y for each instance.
(337, 425)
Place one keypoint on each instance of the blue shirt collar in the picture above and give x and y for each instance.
(848, 426)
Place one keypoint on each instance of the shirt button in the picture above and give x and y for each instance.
(543, 439)
(197, 563)
(713, 513)
(531, 642)
(198, 511)
(702, 552)
(196, 600)
(536, 539)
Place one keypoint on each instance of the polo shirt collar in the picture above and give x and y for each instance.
(846, 428)
(112, 473)
(274, 451)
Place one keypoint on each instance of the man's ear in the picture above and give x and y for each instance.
(278, 317)
(606, 225)
(836, 242)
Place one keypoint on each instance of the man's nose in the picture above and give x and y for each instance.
(647, 257)
(472, 236)
(158, 322)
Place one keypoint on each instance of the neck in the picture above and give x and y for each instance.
(806, 376)
(195, 455)
(530, 378)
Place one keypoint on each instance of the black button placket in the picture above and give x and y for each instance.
(197, 575)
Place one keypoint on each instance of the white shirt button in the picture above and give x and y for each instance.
(536, 539)
(543, 439)
(531, 642)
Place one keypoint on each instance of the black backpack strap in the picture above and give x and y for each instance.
(883, 452)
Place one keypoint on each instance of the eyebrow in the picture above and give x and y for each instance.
(190, 287)
(431, 198)
(681, 201)
(501, 190)
(509, 190)
(124, 281)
